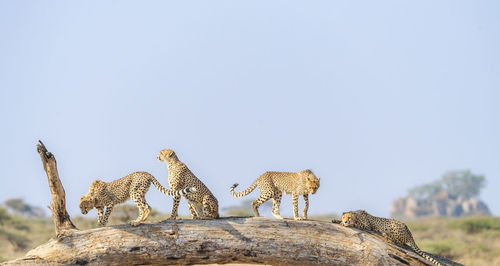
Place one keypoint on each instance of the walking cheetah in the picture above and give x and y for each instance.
(273, 184)
(394, 231)
(202, 204)
(135, 185)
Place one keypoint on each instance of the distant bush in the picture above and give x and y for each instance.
(460, 183)
(4, 215)
(475, 225)
(18, 240)
(418, 226)
(442, 248)
(245, 208)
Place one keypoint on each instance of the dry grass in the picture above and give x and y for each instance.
(470, 241)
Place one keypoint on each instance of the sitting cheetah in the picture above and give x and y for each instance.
(202, 204)
(135, 185)
(394, 231)
(273, 184)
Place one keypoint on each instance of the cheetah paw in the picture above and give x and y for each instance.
(135, 223)
(298, 218)
(277, 216)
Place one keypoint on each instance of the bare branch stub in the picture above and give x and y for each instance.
(60, 216)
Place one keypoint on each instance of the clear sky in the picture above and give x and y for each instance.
(374, 96)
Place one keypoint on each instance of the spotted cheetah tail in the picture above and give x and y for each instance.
(243, 193)
(185, 191)
(425, 256)
(168, 192)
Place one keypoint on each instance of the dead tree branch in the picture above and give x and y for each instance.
(62, 222)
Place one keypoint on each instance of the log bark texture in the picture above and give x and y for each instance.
(62, 222)
(225, 240)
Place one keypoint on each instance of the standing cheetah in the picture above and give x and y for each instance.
(274, 184)
(394, 231)
(202, 204)
(135, 185)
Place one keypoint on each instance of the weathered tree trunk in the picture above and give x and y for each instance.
(61, 218)
(224, 240)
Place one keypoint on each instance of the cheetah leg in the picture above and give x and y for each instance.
(198, 210)
(100, 214)
(209, 210)
(177, 199)
(192, 210)
(256, 203)
(276, 205)
(306, 206)
(104, 220)
(295, 200)
(389, 238)
(144, 209)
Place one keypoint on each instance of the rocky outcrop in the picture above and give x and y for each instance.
(442, 204)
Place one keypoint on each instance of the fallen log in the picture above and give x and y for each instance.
(225, 240)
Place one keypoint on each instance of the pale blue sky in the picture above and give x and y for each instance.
(374, 96)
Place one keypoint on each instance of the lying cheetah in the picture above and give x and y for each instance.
(273, 184)
(394, 231)
(135, 185)
(202, 204)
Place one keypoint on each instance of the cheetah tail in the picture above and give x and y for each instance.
(425, 256)
(168, 192)
(243, 193)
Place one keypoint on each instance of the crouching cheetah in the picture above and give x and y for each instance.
(273, 184)
(394, 231)
(135, 185)
(202, 203)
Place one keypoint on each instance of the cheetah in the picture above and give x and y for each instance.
(202, 203)
(394, 231)
(274, 184)
(135, 185)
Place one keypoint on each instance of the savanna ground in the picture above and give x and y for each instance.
(470, 241)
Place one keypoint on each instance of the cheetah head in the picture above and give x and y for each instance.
(166, 155)
(312, 182)
(348, 219)
(86, 204)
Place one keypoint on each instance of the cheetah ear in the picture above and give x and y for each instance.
(84, 198)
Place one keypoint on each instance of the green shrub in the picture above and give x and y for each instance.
(475, 225)
(4, 215)
(416, 226)
(18, 240)
(446, 248)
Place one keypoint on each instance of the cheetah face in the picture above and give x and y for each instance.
(165, 155)
(86, 204)
(312, 182)
(348, 219)
(312, 185)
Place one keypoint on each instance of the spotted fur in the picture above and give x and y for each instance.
(202, 204)
(272, 185)
(394, 231)
(135, 185)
